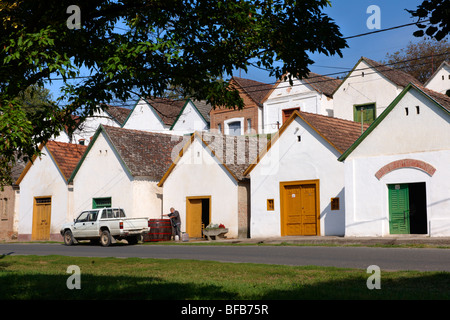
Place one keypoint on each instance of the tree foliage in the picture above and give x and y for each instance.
(420, 59)
(142, 47)
(438, 12)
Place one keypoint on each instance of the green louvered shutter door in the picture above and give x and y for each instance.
(399, 209)
(367, 112)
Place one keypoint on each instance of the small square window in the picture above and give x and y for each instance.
(270, 205)
(334, 203)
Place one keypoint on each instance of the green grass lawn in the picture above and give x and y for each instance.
(37, 277)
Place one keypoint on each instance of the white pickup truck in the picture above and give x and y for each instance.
(105, 225)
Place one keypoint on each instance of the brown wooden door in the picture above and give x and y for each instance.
(41, 218)
(194, 218)
(309, 217)
(299, 210)
(293, 212)
(288, 112)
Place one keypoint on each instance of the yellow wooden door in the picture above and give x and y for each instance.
(299, 210)
(308, 203)
(194, 218)
(41, 218)
(293, 218)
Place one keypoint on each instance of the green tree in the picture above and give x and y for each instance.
(34, 98)
(143, 47)
(420, 59)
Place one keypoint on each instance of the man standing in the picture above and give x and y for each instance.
(174, 216)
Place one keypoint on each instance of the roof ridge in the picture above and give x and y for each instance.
(392, 71)
(137, 131)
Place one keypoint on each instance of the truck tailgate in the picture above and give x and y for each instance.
(135, 224)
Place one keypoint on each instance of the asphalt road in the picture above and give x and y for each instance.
(345, 257)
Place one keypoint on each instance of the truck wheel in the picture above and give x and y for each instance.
(68, 238)
(105, 238)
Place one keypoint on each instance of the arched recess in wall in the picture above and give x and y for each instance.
(406, 163)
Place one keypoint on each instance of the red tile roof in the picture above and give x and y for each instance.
(339, 132)
(322, 84)
(397, 76)
(167, 109)
(66, 155)
(119, 114)
(235, 153)
(255, 89)
(146, 154)
(440, 98)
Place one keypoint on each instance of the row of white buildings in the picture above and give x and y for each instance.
(364, 156)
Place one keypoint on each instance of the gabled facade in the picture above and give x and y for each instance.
(297, 185)
(368, 90)
(249, 120)
(154, 115)
(46, 196)
(440, 80)
(194, 116)
(121, 168)
(163, 115)
(397, 174)
(111, 116)
(313, 94)
(206, 183)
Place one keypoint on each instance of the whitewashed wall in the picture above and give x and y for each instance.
(363, 85)
(289, 160)
(199, 174)
(425, 137)
(189, 121)
(441, 80)
(143, 117)
(367, 201)
(299, 95)
(103, 175)
(43, 179)
(88, 128)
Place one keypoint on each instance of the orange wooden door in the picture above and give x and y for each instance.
(194, 218)
(41, 218)
(293, 218)
(300, 215)
(309, 217)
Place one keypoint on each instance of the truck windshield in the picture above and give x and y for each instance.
(113, 213)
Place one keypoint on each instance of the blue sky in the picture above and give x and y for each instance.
(351, 16)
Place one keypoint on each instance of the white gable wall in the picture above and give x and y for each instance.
(199, 174)
(189, 121)
(102, 175)
(91, 124)
(289, 160)
(299, 95)
(358, 89)
(143, 117)
(441, 80)
(400, 133)
(424, 137)
(62, 137)
(87, 128)
(43, 179)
